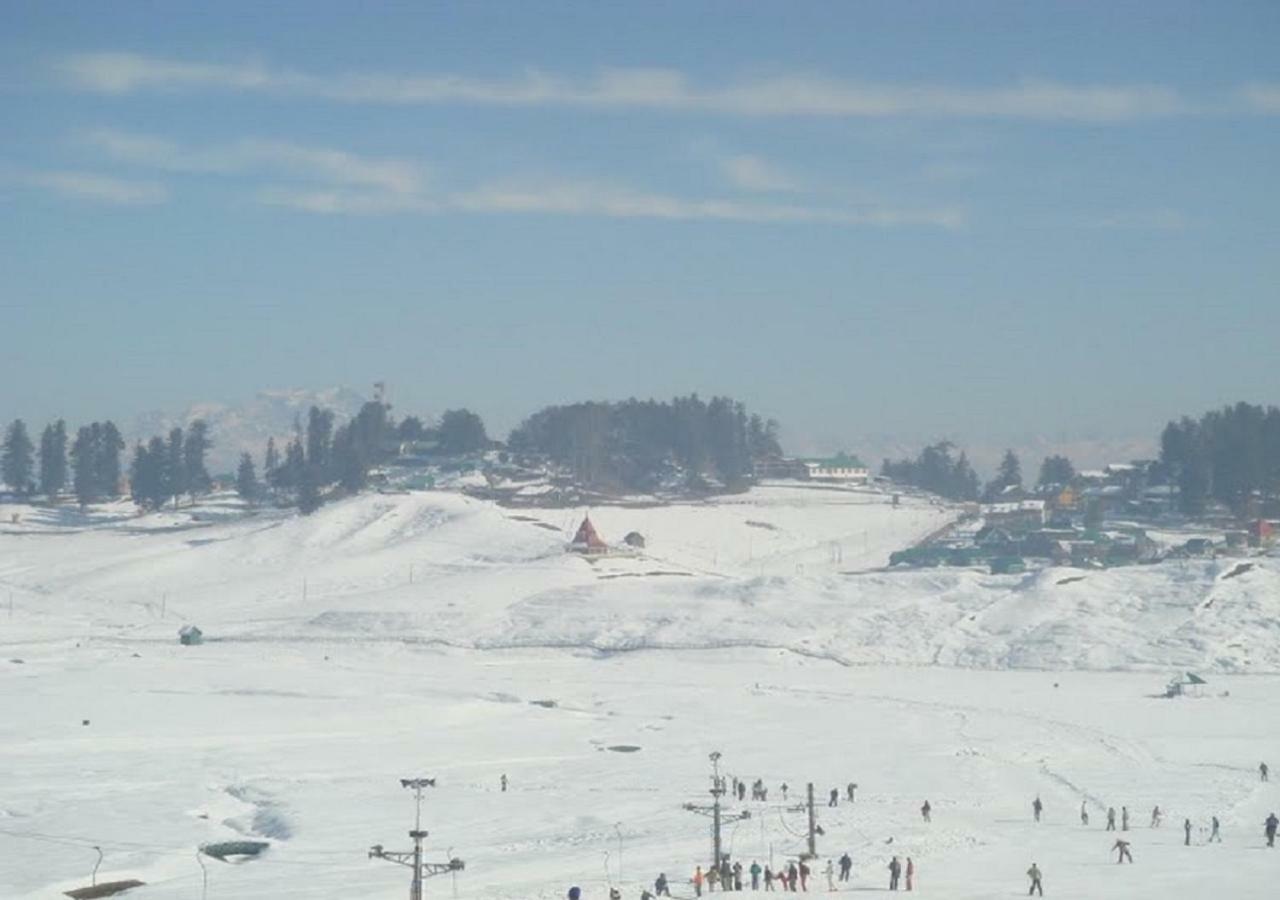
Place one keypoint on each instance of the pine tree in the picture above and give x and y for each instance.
(1056, 470)
(146, 483)
(176, 478)
(308, 492)
(107, 444)
(53, 459)
(319, 441)
(247, 480)
(271, 464)
(193, 450)
(84, 472)
(16, 462)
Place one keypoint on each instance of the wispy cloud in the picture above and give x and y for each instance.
(99, 188)
(1142, 220)
(1262, 98)
(281, 158)
(751, 173)
(785, 95)
(616, 201)
(323, 180)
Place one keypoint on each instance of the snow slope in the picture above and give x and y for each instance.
(391, 636)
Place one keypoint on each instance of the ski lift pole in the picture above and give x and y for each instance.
(93, 880)
(204, 886)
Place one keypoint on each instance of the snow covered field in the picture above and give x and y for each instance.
(403, 635)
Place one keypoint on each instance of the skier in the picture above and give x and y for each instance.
(504, 782)
(1271, 824)
(1111, 818)
(660, 885)
(850, 789)
(911, 874)
(926, 810)
(895, 869)
(834, 798)
(698, 878)
(831, 875)
(1155, 817)
(1124, 818)
(755, 875)
(1186, 829)
(1122, 846)
(768, 878)
(846, 866)
(1264, 771)
(1213, 834)
(1037, 807)
(1084, 813)
(1034, 874)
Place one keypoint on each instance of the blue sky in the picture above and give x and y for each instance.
(1023, 223)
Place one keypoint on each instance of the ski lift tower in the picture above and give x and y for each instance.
(413, 858)
(715, 811)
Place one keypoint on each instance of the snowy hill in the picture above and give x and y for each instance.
(431, 634)
(787, 567)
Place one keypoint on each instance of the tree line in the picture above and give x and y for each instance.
(90, 466)
(640, 445)
(322, 460)
(1231, 455)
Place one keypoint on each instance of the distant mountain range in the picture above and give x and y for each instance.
(236, 428)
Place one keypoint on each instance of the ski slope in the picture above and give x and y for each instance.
(391, 636)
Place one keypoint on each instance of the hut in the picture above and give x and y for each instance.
(1189, 684)
(587, 542)
(190, 635)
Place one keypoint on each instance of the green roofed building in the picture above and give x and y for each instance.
(841, 467)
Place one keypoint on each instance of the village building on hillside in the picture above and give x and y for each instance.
(841, 468)
(1015, 514)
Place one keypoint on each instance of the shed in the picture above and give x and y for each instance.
(1187, 684)
(587, 541)
(190, 635)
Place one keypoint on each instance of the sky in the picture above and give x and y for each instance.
(1032, 224)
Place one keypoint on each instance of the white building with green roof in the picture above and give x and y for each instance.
(842, 467)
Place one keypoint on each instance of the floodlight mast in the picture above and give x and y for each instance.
(413, 858)
(714, 810)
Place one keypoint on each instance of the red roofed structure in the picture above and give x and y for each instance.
(587, 541)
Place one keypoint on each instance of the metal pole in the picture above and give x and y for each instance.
(204, 889)
(415, 886)
(715, 828)
(813, 844)
(94, 880)
(617, 826)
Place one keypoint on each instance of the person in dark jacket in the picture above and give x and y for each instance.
(1186, 830)
(1121, 846)
(846, 866)
(926, 811)
(850, 788)
(660, 886)
(768, 878)
(1270, 829)
(1213, 833)
(1036, 887)
(833, 799)
(1037, 807)
(895, 872)
(1111, 818)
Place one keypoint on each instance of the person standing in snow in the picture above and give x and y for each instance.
(660, 886)
(831, 874)
(926, 812)
(834, 797)
(1186, 829)
(911, 874)
(1124, 818)
(1155, 817)
(1264, 771)
(846, 866)
(895, 870)
(1122, 848)
(1270, 829)
(1034, 874)
(698, 878)
(1213, 833)
(737, 876)
(575, 893)
(803, 872)
(784, 792)
(1111, 818)
(713, 878)
(504, 782)
(850, 789)
(768, 878)
(755, 875)
(1037, 807)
